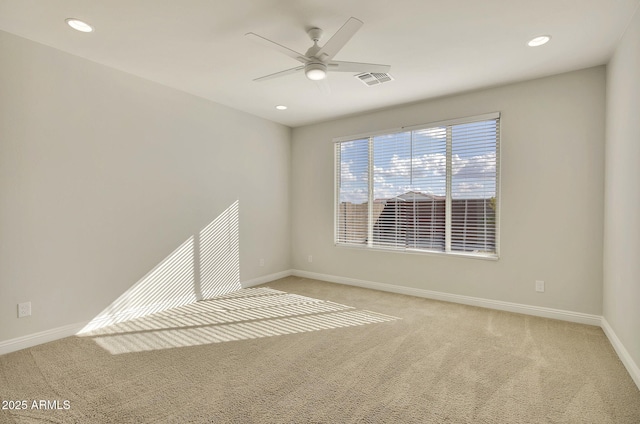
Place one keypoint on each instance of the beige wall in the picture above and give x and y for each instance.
(552, 133)
(103, 175)
(622, 194)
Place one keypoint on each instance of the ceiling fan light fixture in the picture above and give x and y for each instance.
(316, 71)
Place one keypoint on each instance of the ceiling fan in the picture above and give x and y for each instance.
(317, 61)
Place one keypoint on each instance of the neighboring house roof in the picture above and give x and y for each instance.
(416, 196)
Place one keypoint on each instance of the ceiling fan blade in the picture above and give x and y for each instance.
(339, 39)
(323, 86)
(280, 74)
(279, 47)
(339, 66)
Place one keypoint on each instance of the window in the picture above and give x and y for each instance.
(427, 188)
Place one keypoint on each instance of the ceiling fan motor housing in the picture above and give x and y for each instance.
(315, 34)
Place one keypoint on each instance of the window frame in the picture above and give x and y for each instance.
(448, 225)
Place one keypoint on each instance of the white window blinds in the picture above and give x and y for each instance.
(474, 149)
(352, 176)
(432, 187)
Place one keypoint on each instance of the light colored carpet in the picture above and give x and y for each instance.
(305, 351)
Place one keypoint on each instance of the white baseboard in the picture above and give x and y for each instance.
(35, 339)
(266, 278)
(622, 352)
(538, 311)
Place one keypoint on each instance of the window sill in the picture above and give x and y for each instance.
(467, 255)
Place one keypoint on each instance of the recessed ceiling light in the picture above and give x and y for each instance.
(538, 41)
(281, 107)
(79, 25)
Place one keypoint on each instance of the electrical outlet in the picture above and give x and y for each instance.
(539, 286)
(24, 309)
(310, 258)
(261, 262)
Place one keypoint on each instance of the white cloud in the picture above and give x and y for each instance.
(345, 172)
(463, 189)
(386, 190)
(422, 166)
(475, 166)
(473, 177)
(357, 195)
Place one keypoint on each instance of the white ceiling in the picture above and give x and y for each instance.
(434, 47)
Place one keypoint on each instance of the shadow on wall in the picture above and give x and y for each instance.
(206, 265)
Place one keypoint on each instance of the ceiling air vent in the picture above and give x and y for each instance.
(374, 78)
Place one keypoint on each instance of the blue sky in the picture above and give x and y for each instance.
(401, 166)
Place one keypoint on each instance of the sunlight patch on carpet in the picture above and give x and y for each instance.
(240, 315)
